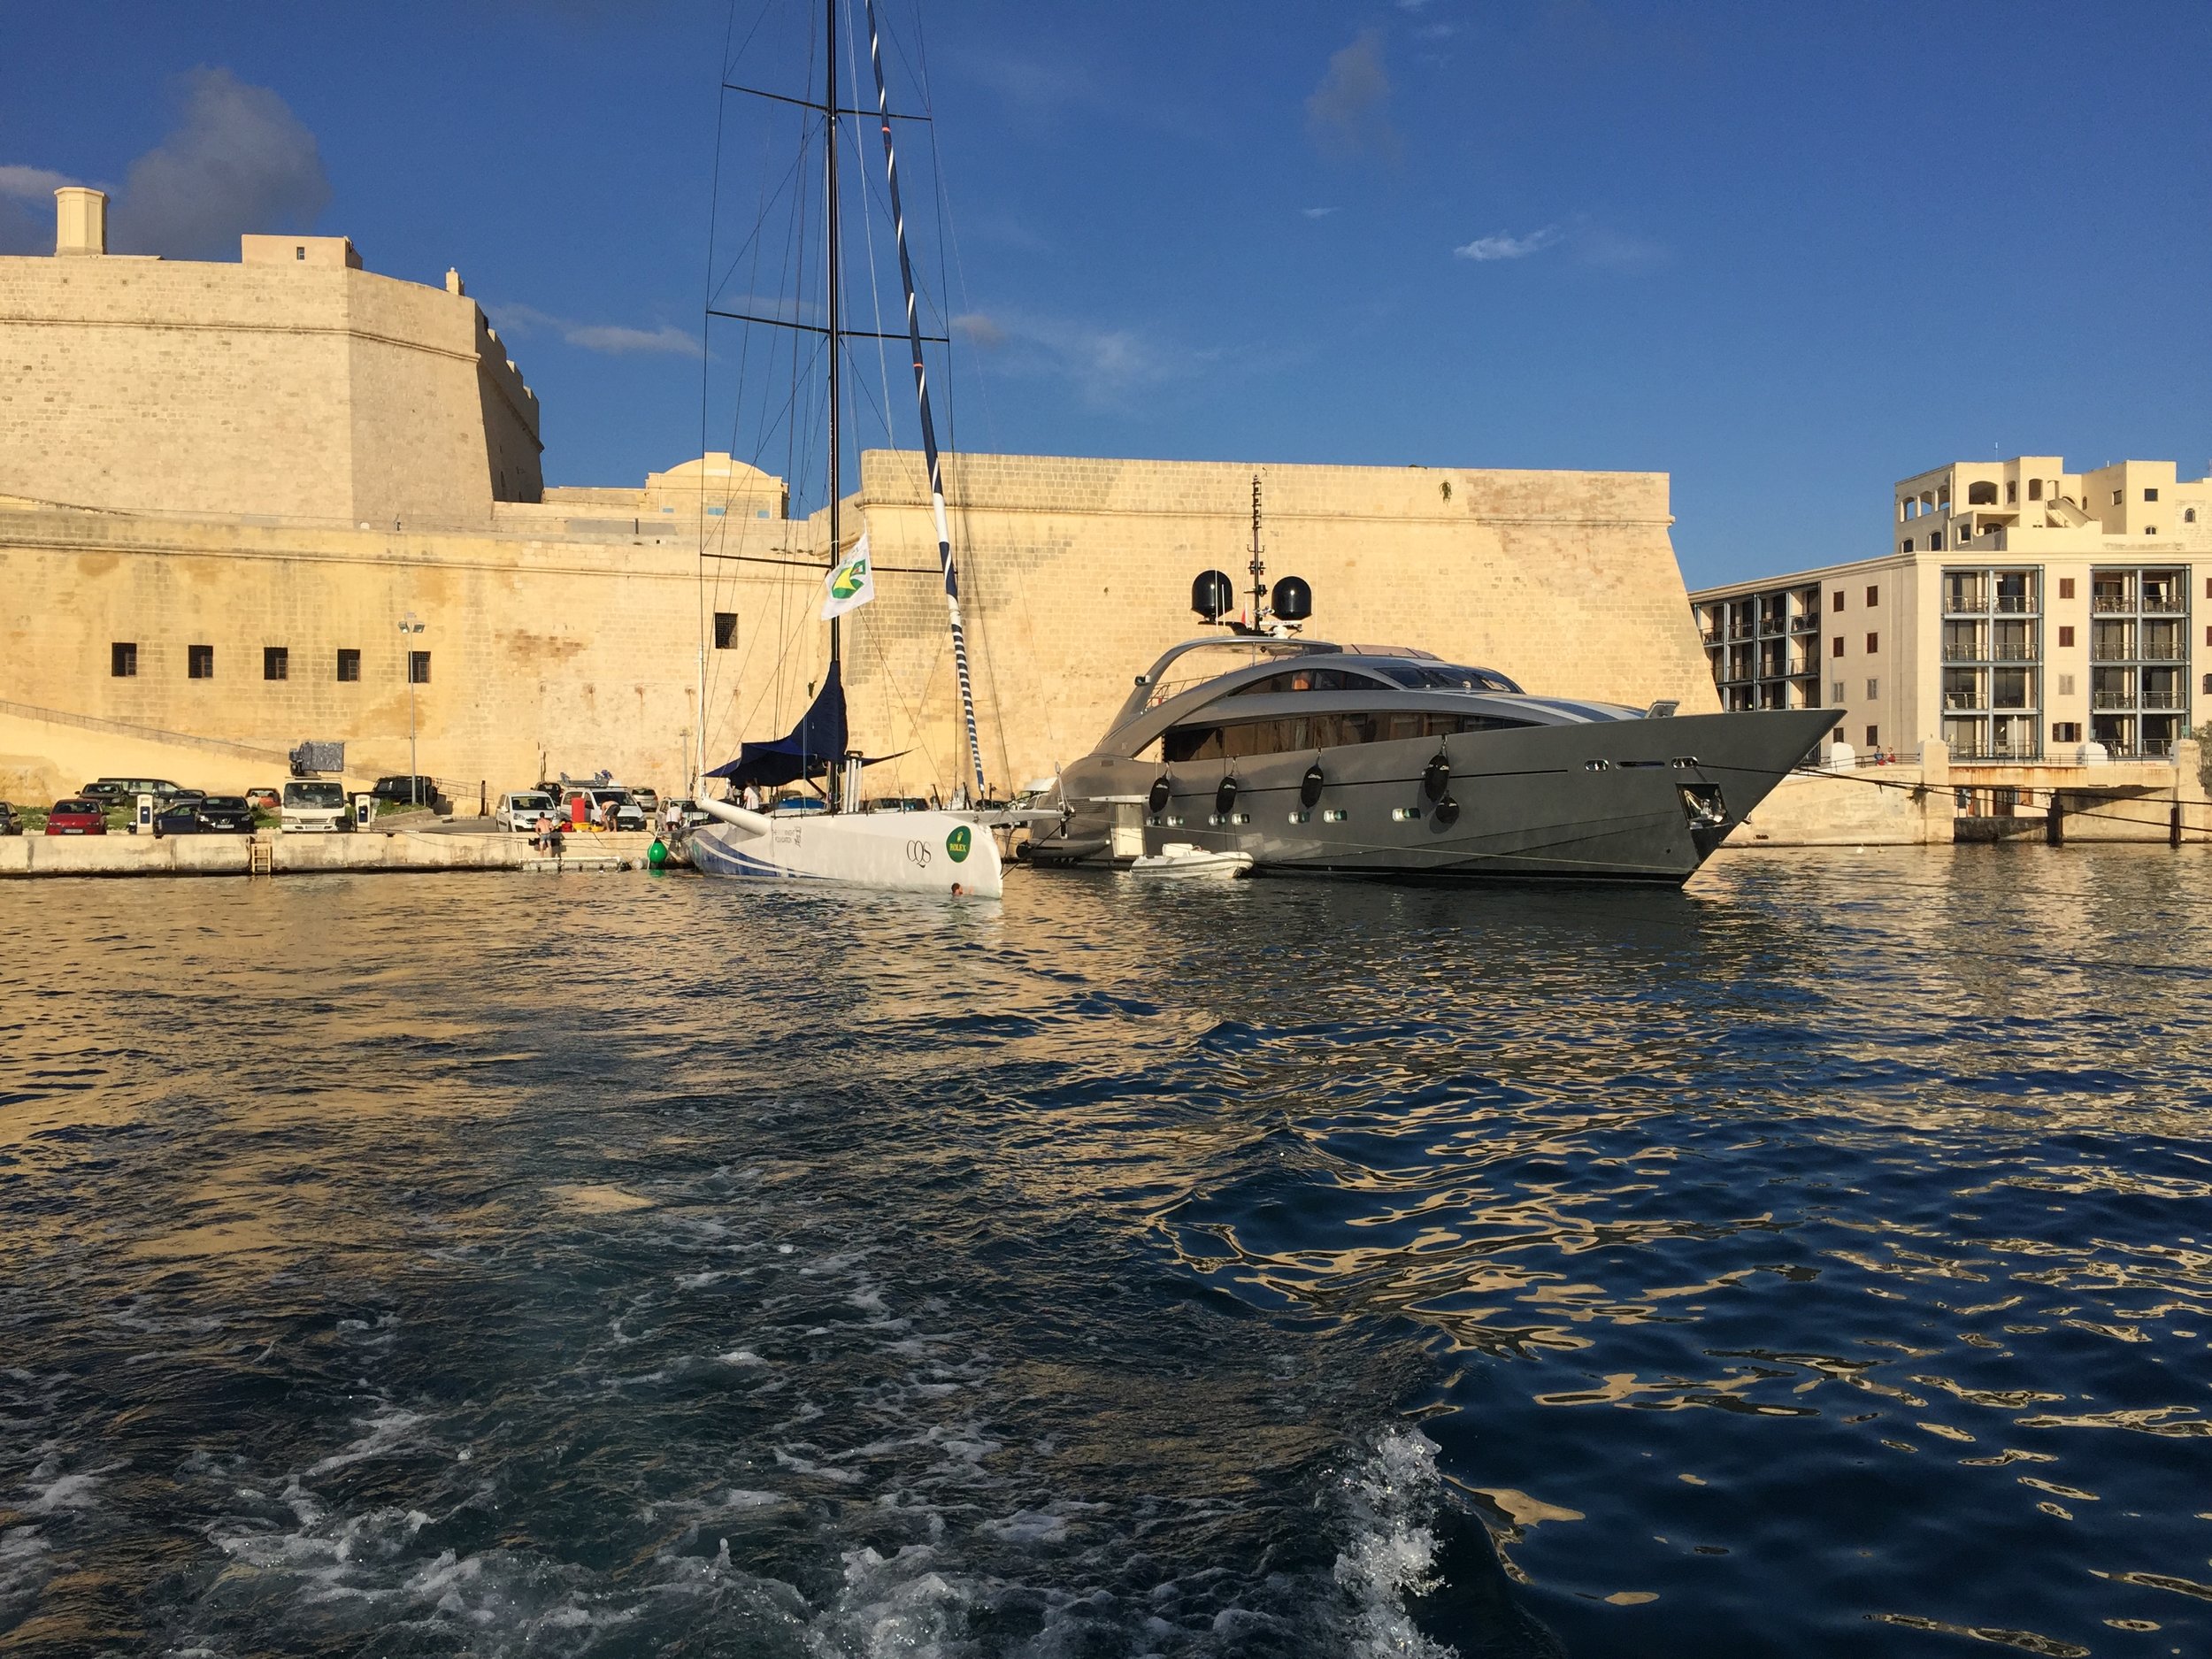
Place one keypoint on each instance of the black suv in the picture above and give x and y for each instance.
(418, 789)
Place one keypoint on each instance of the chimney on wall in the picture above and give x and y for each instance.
(80, 220)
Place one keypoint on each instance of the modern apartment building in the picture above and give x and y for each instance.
(2022, 615)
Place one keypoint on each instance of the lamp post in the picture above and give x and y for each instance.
(409, 625)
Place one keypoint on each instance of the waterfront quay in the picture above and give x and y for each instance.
(274, 853)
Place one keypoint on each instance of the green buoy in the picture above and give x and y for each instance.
(657, 854)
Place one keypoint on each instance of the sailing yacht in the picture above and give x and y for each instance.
(933, 851)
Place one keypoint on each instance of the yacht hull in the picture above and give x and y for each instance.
(1634, 800)
(915, 852)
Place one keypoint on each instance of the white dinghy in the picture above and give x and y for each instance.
(1182, 861)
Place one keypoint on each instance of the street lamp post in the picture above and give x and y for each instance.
(410, 625)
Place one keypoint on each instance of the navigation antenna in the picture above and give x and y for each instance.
(1259, 565)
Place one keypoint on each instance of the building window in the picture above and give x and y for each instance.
(1839, 599)
(1873, 643)
(276, 662)
(725, 630)
(1935, 542)
(2066, 731)
(2117, 496)
(1873, 597)
(1873, 690)
(2035, 489)
(2150, 494)
(2150, 529)
(199, 662)
(2208, 685)
(2188, 515)
(299, 253)
(1905, 546)
(2065, 685)
(419, 668)
(123, 659)
(1981, 495)
(2065, 587)
(349, 663)
(1838, 651)
(2012, 491)
(1837, 691)
(2065, 637)
(1874, 737)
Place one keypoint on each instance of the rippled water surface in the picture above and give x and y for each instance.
(1815, 1262)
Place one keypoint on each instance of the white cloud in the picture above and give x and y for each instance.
(238, 161)
(1483, 249)
(1349, 113)
(31, 184)
(1320, 212)
(614, 339)
(1105, 365)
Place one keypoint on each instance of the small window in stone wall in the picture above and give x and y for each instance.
(2065, 637)
(199, 662)
(2066, 731)
(349, 663)
(276, 662)
(1873, 597)
(1874, 737)
(1839, 599)
(726, 630)
(1873, 643)
(1873, 690)
(2065, 587)
(2065, 685)
(419, 668)
(1838, 651)
(123, 659)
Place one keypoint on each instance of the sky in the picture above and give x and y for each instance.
(1788, 254)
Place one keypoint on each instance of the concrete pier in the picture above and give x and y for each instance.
(410, 850)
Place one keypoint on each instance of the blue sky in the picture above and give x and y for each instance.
(1788, 254)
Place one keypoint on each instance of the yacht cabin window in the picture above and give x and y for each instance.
(1235, 740)
(1444, 677)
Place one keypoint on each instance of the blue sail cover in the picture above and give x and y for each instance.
(810, 749)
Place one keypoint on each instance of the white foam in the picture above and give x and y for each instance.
(1390, 1502)
(742, 1357)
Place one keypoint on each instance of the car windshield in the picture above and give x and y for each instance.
(225, 803)
(76, 806)
(314, 794)
(602, 797)
(531, 803)
(1444, 677)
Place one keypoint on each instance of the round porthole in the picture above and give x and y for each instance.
(1310, 786)
(1157, 799)
(1446, 812)
(1436, 782)
(1225, 797)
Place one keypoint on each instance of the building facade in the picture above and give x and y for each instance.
(245, 505)
(2024, 616)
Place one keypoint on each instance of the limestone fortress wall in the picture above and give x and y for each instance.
(275, 462)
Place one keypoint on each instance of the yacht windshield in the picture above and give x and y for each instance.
(1311, 679)
(1443, 677)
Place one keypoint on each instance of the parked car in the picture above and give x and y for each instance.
(11, 823)
(210, 815)
(123, 791)
(626, 816)
(310, 805)
(408, 789)
(77, 817)
(649, 800)
(265, 797)
(519, 809)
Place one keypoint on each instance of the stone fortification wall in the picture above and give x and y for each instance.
(1077, 575)
(303, 390)
(569, 635)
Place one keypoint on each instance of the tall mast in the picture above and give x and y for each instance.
(829, 175)
(929, 426)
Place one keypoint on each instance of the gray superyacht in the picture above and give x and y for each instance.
(1356, 760)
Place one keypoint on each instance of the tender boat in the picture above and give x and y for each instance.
(1185, 861)
(1311, 758)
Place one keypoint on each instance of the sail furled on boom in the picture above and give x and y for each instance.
(929, 426)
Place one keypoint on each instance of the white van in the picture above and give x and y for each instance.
(314, 806)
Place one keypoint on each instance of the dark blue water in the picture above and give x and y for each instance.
(1817, 1261)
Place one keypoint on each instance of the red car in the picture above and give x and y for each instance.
(77, 818)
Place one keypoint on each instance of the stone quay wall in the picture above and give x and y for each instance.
(567, 643)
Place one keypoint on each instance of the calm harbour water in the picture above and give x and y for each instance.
(1815, 1262)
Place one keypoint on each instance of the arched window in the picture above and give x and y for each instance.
(2035, 489)
(2188, 515)
(1982, 494)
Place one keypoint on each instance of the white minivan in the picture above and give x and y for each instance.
(314, 806)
